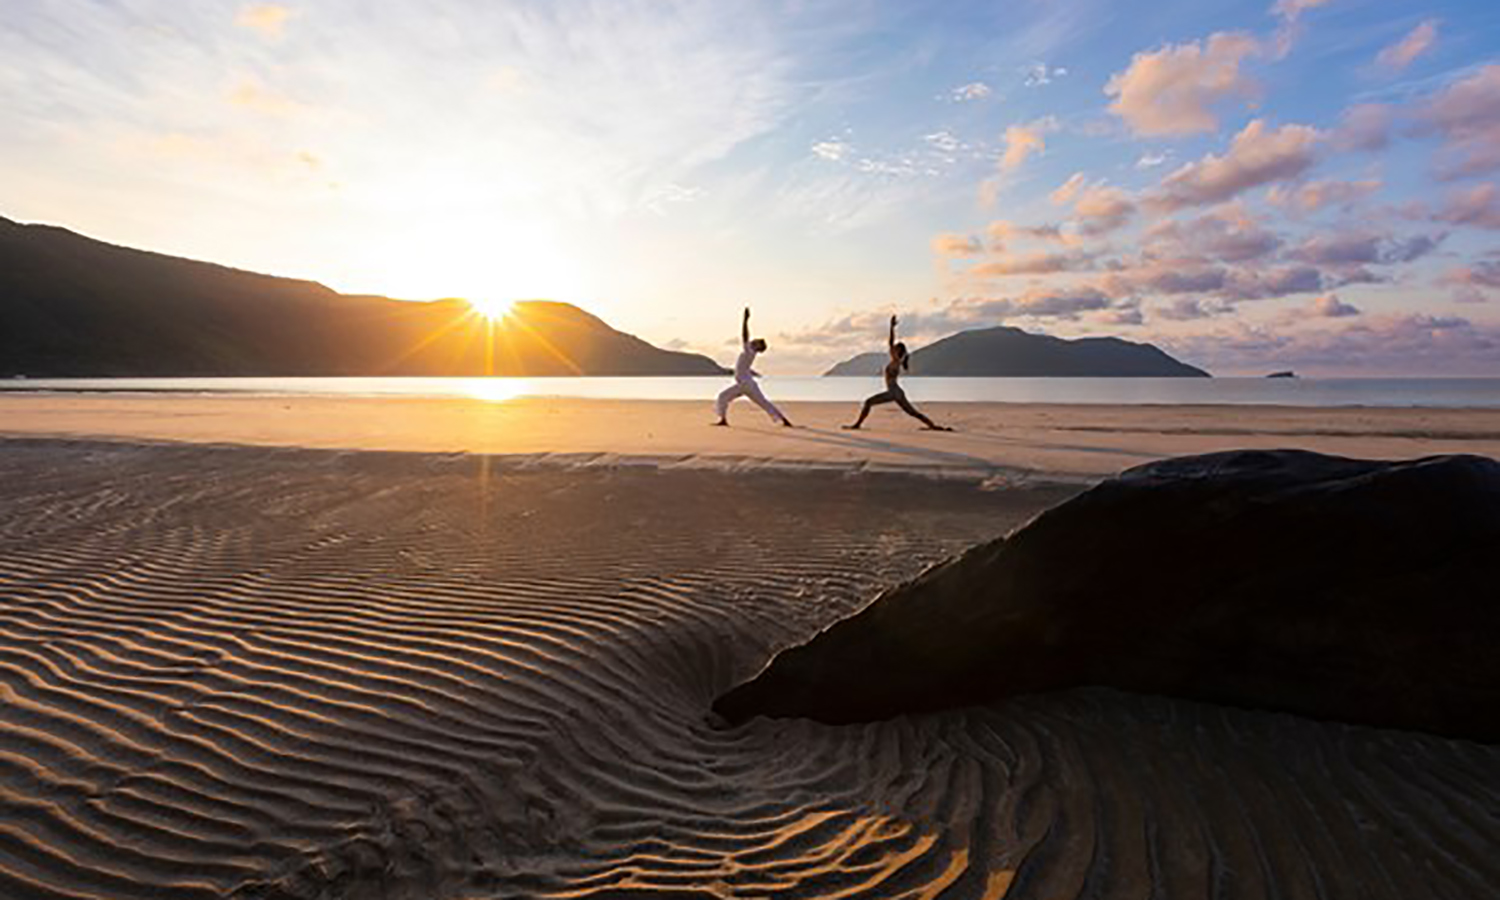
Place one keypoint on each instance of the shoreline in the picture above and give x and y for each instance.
(1069, 442)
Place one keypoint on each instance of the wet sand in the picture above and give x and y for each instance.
(259, 672)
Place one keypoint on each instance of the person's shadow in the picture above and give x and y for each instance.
(862, 441)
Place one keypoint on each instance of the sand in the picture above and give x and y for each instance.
(1083, 441)
(274, 672)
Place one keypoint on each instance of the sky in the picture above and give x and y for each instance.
(1253, 186)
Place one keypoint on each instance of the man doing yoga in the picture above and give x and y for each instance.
(744, 379)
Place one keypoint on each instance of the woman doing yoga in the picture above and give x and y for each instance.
(893, 392)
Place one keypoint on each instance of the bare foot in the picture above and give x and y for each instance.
(787, 423)
(720, 424)
(936, 428)
(850, 427)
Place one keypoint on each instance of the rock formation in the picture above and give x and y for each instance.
(1341, 589)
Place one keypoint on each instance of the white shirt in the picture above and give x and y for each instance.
(742, 366)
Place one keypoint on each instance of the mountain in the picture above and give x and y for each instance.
(74, 306)
(1011, 352)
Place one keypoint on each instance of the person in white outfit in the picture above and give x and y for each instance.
(744, 379)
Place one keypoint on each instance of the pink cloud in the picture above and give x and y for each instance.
(1467, 115)
(1097, 208)
(1364, 126)
(1174, 90)
(1484, 273)
(1035, 264)
(1315, 195)
(1022, 141)
(1002, 232)
(1258, 155)
(1417, 41)
(1227, 233)
(1329, 306)
(1478, 206)
(956, 246)
(1388, 344)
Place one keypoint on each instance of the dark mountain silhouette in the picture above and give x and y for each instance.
(1011, 352)
(74, 306)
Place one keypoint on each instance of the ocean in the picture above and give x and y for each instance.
(1328, 392)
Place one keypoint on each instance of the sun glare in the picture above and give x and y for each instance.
(493, 309)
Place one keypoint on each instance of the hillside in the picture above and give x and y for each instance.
(74, 306)
(1011, 352)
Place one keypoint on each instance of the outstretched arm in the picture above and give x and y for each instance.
(745, 327)
(891, 340)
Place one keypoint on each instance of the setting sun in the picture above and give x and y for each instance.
(493, 309)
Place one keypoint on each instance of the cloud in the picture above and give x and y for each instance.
(1151, 160)
(1258, 155)
(1185, 309)
(1097, 208)
(1467, 115)
(1021, 141)
(267, 18)
(1350, 248)
(956, 246)
(1329, 306)
(1364, 126)
(1315, 195)
(1418, 41)
(833, 150)
(974, 90)
(1389, 344)
(1290, 12)
(1224, 234)
(1069, 189)
(1122, 316)
(1064, 304)
(943, 141)
(1038, 75)
(1484, 273)
(1035, 264)
(1174, 90)
(1478, 206)
(1002, 232)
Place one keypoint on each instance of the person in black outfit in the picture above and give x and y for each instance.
(893, 392)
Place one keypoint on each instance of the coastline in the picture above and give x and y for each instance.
(1070, 442)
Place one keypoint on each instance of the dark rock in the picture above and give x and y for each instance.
(1342, 589)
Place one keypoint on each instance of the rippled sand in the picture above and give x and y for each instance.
(283, 673)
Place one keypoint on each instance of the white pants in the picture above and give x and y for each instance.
(747, 388)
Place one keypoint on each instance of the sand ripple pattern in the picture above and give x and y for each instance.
(287, 674)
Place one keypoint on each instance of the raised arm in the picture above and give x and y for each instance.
(891, 340)
(745, 327)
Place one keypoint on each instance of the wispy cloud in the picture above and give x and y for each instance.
(1417, 42)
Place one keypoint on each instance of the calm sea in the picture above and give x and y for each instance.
(1440, 392)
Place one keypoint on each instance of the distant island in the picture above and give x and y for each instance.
(1010, 352)
(1286, 374)
(71, 306)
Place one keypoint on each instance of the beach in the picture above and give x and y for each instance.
(1073, 441)
(290, 647)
